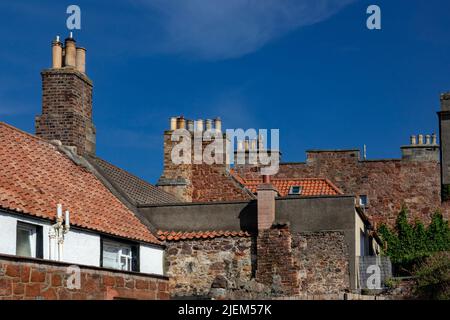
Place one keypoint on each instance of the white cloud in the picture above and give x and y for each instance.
(221, 29)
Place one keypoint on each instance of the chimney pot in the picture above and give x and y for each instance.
(218, 124)
(434, 139)
(208, 124)
(70, 53)
(80, 59)
(246, 144)
(190, 125)
(413, 140)
(200, 125)
(173, 123)
(240, 145)
(181, 123)
(420, 139)
(428, 139)
(57, 53)
(253, 144)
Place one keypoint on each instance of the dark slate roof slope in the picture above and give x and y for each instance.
(134, 188)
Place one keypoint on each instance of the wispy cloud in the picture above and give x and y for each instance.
(218, 29)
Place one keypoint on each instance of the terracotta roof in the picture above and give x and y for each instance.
(196, 235)
(309, 186)
(135, 188)
(35, 176)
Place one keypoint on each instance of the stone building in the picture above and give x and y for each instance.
(228, 232)
(100, 238)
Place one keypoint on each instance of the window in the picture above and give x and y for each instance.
(118, 255)
(363, 200)
(29, 240)
(295, 190)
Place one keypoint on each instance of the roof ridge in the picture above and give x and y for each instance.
(338, 190)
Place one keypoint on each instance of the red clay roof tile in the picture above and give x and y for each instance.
(310, 186)
(35, 177)
(186, 235)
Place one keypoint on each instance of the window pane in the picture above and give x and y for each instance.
(26, 240)
(117, 255)
(23, 247)
(110, 256)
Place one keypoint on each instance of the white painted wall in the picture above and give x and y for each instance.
(80, 247)
(151, 259)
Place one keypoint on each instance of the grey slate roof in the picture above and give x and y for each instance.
(136, 189)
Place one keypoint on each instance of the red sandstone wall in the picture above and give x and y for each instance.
(212, 183)
(28, 279)
(388, 183)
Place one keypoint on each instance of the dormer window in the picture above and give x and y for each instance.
(295, 190)
(363, 200)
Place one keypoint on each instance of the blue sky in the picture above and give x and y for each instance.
(310, 68)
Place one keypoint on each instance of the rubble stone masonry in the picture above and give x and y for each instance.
(389, 184)
(34, 279)
(274, 264)
(210, 267)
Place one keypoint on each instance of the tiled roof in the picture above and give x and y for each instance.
(197, 235)
(35, 177)
(135, 188)
(309, 186)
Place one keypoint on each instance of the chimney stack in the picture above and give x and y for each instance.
(266, 194)
(67, 99)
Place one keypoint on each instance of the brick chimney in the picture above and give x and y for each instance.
(266, 204)
(67, 99)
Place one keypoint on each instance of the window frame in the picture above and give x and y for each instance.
(134, 251)
(291, 193)
(37, 243)
(366, 197)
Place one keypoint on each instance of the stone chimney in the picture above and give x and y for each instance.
(266, 204)
(177, 177)
(67, 99)
(421, 148)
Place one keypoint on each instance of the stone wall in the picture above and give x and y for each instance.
(209, 267)
(323, 261)
(389, 184)
(273, 265)
(34, 279)
(276, 266)
(196, 181)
